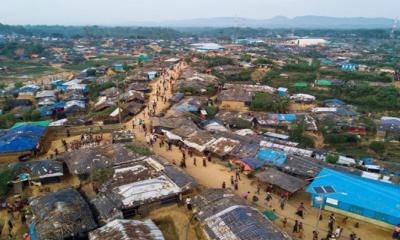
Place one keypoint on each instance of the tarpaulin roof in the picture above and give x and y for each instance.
(61, 215)
(242, 222)
(226, 216)
(252, 163)
(38, 123)
(361, 192)
(282, 180)
(127, 229)
(283, 117)
(22, 138)
(300, 84)
(323, 82)
(271, 157)
(334, 101)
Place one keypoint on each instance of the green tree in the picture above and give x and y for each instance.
(35, 115)
(332, 158)
(245, 58)
(18, 84)
(6, 175)
(269, 103)
(377, 147)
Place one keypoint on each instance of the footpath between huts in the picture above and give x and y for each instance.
(216, 172)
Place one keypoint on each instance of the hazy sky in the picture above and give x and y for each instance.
(72, 12)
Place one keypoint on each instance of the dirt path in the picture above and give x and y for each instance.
(215, 173)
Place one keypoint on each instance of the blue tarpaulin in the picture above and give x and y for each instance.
(56, 83)
(45, 111)
(152, 75)
(187, 108)
(358, 195)
(334, 101)
(253, 163)
(23, 138)
(59, 105)
(32, 232)
(283, 117)
(264, 157)
(271, 157)
(63, 88)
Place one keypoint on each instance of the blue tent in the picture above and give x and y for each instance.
(334, 101)
(45, 111)
(357, 195)
(349, 67)
(63, 88)
(253, 163)
(32, 231)
(152, 75)
(271, 157)
(283, 117)
(23, 138)
(56, 83)
(187, 108)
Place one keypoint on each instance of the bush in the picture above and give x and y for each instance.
(211, 90)
(331, 158)
(243, 76)
(7, 120)
(6, 175)
(189, 90)
(377, 147)
(211, 111)
(241, 123)
(139, 150)
(334, 138)
(35, 115)
(101, 175)
(302, 67)
(95, 89)
(269, 103)
(195, 118)
(218, 61)
(245, 58)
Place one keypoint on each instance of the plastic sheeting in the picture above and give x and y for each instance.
(23, 138)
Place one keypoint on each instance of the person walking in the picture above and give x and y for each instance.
(295, 227)
(236, 185)
(204, 162)
(268, 198)
(189, 203)
(300, 230)
(282, 202)
(338, 232)
(284, 222)
(232, 181)
(315, 235)
(246, 195)
(300, 210)
(223, 185)
(258, 189)
(237, 175)
(194, 162)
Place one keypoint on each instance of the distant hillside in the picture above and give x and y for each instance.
(92, 31)
(308, 22)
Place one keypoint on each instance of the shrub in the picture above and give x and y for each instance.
(377, 147)
(6, 175)
(241, 123)
(139, 150)
(269, 103)
(331, 158)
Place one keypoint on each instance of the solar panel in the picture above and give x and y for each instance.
(329, 189)
(324, 190)
(319, 190)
